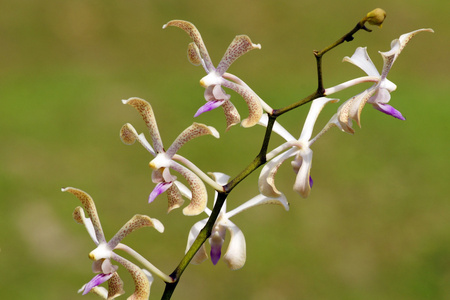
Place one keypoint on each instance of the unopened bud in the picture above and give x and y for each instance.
(376, 17)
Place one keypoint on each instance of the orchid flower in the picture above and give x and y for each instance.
(292, 147)
(235, 255)
(103, 254)
(217, 78)
(165, 160)
(379, 94)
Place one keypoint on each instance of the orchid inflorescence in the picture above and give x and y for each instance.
(166, 163)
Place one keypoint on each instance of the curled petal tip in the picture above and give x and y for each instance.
(78, 215)
(158, 225)
(193, 54)
(128, 134)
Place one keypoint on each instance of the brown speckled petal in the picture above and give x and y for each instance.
(142, 285)
(145, 110)
(91, 211)
(238, 47)
(252, 100)
(128, 134)
(136, 222)
(115, 286)
(231, 114)
(352, 108)
(174, 197)
(196, 37)
(194, 54)
(198, 189)
(193, 131)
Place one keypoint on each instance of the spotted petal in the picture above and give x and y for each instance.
(145, 110)
(193, 131)
(141, 282)
(397, 47)
(136, 222)
(199, 194)
(232, 116)
(194, 56)
(238, 47)
(129, 135)
(193, 32)
(252, 100)
(115, 286)
(351, 110)
(79, 217)
(89, 206)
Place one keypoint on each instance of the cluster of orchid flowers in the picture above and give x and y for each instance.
(166, 162)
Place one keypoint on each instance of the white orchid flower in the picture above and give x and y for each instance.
(104, 253)
(165, 161)
(300, 148)
(235, 254)
(379, 94)
(217, 78)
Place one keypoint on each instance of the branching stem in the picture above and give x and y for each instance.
(259, 160)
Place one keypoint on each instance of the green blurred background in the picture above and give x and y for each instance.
(376, 225)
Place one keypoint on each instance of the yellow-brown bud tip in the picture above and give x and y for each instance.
(376, 17)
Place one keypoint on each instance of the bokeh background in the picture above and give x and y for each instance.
(376, 225)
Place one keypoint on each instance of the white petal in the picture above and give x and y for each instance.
(259, 200)
(79, 216)
(220, 178)
(183, 189)
(362, 60)
(201, 254)
(314, 111)
(266, 181)
(301, 184)
(236, 252)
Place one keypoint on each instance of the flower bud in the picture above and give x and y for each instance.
(376, 17)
